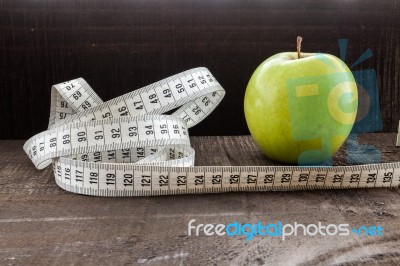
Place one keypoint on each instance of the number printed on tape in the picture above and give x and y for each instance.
(127, 147)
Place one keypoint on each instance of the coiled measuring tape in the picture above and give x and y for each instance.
(126, 147)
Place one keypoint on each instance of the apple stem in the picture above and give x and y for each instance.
(299, 39)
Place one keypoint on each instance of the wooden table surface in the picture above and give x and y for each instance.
(42, 224)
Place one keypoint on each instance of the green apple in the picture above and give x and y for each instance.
(300, 108)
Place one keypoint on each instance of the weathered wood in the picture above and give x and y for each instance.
(42, 224)
(122, 45)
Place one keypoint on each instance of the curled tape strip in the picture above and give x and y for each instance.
(127, 147)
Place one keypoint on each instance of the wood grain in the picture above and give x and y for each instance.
(41, 224)
(122, 45)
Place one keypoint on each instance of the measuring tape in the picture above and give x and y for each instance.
(126, 147)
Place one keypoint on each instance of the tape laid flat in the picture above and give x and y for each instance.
(126, 147)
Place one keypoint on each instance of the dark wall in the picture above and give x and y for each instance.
(121, 45)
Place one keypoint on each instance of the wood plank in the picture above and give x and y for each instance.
(121, 45)
(42, 224)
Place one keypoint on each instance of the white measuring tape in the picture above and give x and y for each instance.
(126, 147)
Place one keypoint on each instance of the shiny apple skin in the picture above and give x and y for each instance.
(300, 111)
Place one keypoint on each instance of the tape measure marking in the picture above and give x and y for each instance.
(139, 180)
(126, 147)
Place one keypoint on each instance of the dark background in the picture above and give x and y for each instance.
(121, 45)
